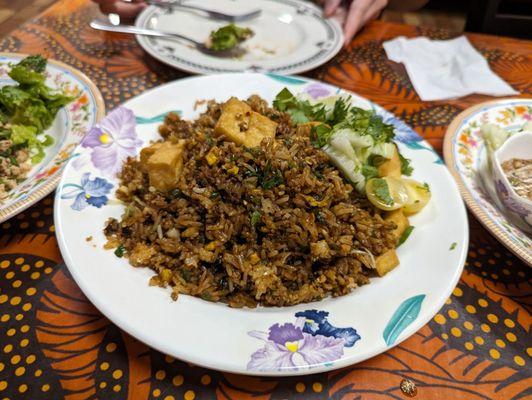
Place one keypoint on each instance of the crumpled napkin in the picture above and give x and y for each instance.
(444, 69)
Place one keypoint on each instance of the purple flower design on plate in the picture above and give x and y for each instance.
(508, 201)
(113, 140)
(91, 192)
(317, 90)
(311, 340)
(316, 324)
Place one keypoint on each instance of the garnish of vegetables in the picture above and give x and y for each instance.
(361, 145)
(28, 108)
(228, 37)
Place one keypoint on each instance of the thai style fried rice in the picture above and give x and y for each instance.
(274, 224)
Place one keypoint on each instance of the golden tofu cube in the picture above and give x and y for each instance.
(386, 262)
(163, 161)
(240, 124)
(391, 167)
(399, 218)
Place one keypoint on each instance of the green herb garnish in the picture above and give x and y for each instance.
(319, 216)
(228, 37)
(369, 171)
(271, 179)
(453, 246)
(342, 116)
(255, 218)
(406, 168)
(405, 235)
(319, 135)
(119, 251)
(382, 191)
(267, 178)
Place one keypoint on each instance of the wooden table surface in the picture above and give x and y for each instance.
(55, 344)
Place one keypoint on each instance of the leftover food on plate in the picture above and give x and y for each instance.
(228, 37)
(251, 204)
(519, 174)
(27, 109)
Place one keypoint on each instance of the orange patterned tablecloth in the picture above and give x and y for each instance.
(55, 344)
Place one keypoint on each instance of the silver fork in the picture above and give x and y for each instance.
(103, 25)
(209, 13)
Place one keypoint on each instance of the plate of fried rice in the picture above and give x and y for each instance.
(261, 224)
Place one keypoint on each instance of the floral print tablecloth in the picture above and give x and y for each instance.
(56, 345)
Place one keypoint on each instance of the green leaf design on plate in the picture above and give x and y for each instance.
(405, 314)
(417, 146)
(288, 80)
(156, 119)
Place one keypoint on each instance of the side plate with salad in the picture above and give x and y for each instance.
(45, 109)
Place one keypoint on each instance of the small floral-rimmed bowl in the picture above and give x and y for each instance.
(517, 146)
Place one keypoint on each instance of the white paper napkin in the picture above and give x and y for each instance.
(444, 69)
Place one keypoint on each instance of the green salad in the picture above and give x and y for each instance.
(356, 140)
(28, 108)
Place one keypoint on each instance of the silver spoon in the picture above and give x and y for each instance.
(131, 29)
(210, 13)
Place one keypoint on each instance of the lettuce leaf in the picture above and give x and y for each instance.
(28, 108)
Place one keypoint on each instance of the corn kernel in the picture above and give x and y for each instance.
(254, 258)
(210, 247)
(233, 170)
(211, 157)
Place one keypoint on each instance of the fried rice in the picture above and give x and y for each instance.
(275, 225)
(15, 163)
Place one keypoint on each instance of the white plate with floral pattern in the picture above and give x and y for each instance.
(290, 36)
(68, 128)
(302, 339)
(466, 156)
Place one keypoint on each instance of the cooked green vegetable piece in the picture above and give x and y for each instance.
(228, 37)
(405, 235)
(35, 63)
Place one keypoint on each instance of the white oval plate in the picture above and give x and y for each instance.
(291, 36)
(466, 157)
(371, 319)
(68, 129)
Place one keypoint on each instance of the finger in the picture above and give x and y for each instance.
(354, 18)
(125, 10)
(331, 6)
(374, 10)
(368, 10)
(339, 15)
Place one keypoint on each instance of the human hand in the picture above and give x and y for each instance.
(126, 10)
(359, 13)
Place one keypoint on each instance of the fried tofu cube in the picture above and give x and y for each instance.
(240, 124)
(391, 167)
(399, 218)
(386, 262)
(163, 161)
